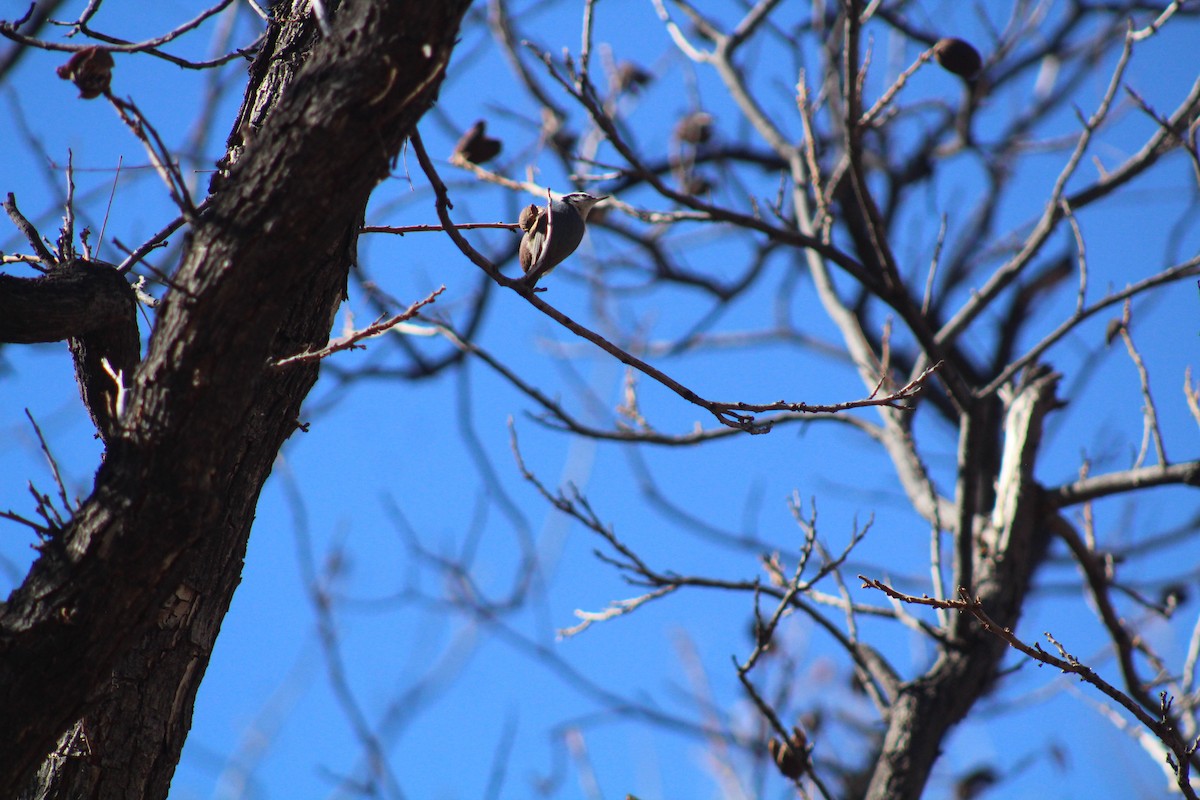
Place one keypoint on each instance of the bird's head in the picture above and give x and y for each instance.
(582, 202)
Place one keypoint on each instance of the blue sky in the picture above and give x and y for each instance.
(392, 461)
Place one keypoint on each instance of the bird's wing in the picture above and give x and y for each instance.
(533, 242)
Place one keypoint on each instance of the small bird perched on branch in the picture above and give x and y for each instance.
(552, 233)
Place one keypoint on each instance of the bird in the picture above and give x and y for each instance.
(552, 233)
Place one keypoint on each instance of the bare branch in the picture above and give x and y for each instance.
(351, 340)
(31, 235)
(1185, 473)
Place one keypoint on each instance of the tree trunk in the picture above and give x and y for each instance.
(1007, 547)
(104, 645)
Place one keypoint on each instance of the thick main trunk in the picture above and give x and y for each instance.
(1006, 550)
(103, 646)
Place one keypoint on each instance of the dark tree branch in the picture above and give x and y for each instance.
(117, 620)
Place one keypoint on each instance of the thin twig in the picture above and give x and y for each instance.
(868, 119)
(351, 340)
(1187, 269)
(154, 241)
(113, 44)
(1051, 214)
(160, 155)
(54, 470)
(462, 226)
(1151, 428)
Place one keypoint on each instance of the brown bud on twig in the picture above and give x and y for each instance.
(89, 69)
(1171, 597)
(695, 128)
(1114, 329)
(476, 146)
(958, 56)
(762, 634)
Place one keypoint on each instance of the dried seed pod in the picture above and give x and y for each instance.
(958, 56)
(90, 69)
(975, 783)
(695, 128)
(554, 132)
(630, 77)
(476, 146)
(564, 142)
(792, 758)
(697, 185)
(529, 217)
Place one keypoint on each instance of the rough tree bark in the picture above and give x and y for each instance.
(103, 646)
(1005, 536)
